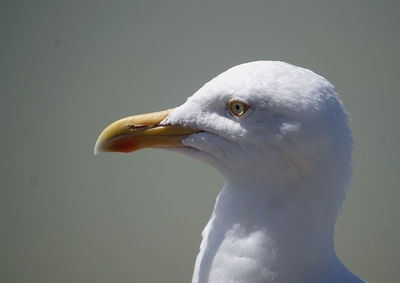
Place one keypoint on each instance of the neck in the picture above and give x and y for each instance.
(265, 233)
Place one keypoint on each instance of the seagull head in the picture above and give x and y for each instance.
(260, 122)
(279, 135)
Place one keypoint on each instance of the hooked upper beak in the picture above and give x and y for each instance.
(141, 131)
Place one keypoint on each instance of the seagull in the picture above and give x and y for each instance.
(279, 135)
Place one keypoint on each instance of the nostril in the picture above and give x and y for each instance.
(135, 127)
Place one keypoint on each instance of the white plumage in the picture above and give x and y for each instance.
(287, 163)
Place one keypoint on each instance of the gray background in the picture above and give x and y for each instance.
(68, 68)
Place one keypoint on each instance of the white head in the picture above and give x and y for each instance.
(291, 130)
(294, 130)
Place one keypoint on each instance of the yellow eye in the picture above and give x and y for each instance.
(237, 108)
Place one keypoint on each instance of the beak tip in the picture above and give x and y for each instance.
(97, 147)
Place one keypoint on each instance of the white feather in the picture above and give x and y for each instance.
(287, 163)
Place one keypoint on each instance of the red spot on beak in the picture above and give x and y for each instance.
(124, 144)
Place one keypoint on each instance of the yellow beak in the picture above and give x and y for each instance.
(141, 131)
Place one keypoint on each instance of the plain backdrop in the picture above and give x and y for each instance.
(69, 68)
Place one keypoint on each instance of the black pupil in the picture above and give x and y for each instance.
(237, 107)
